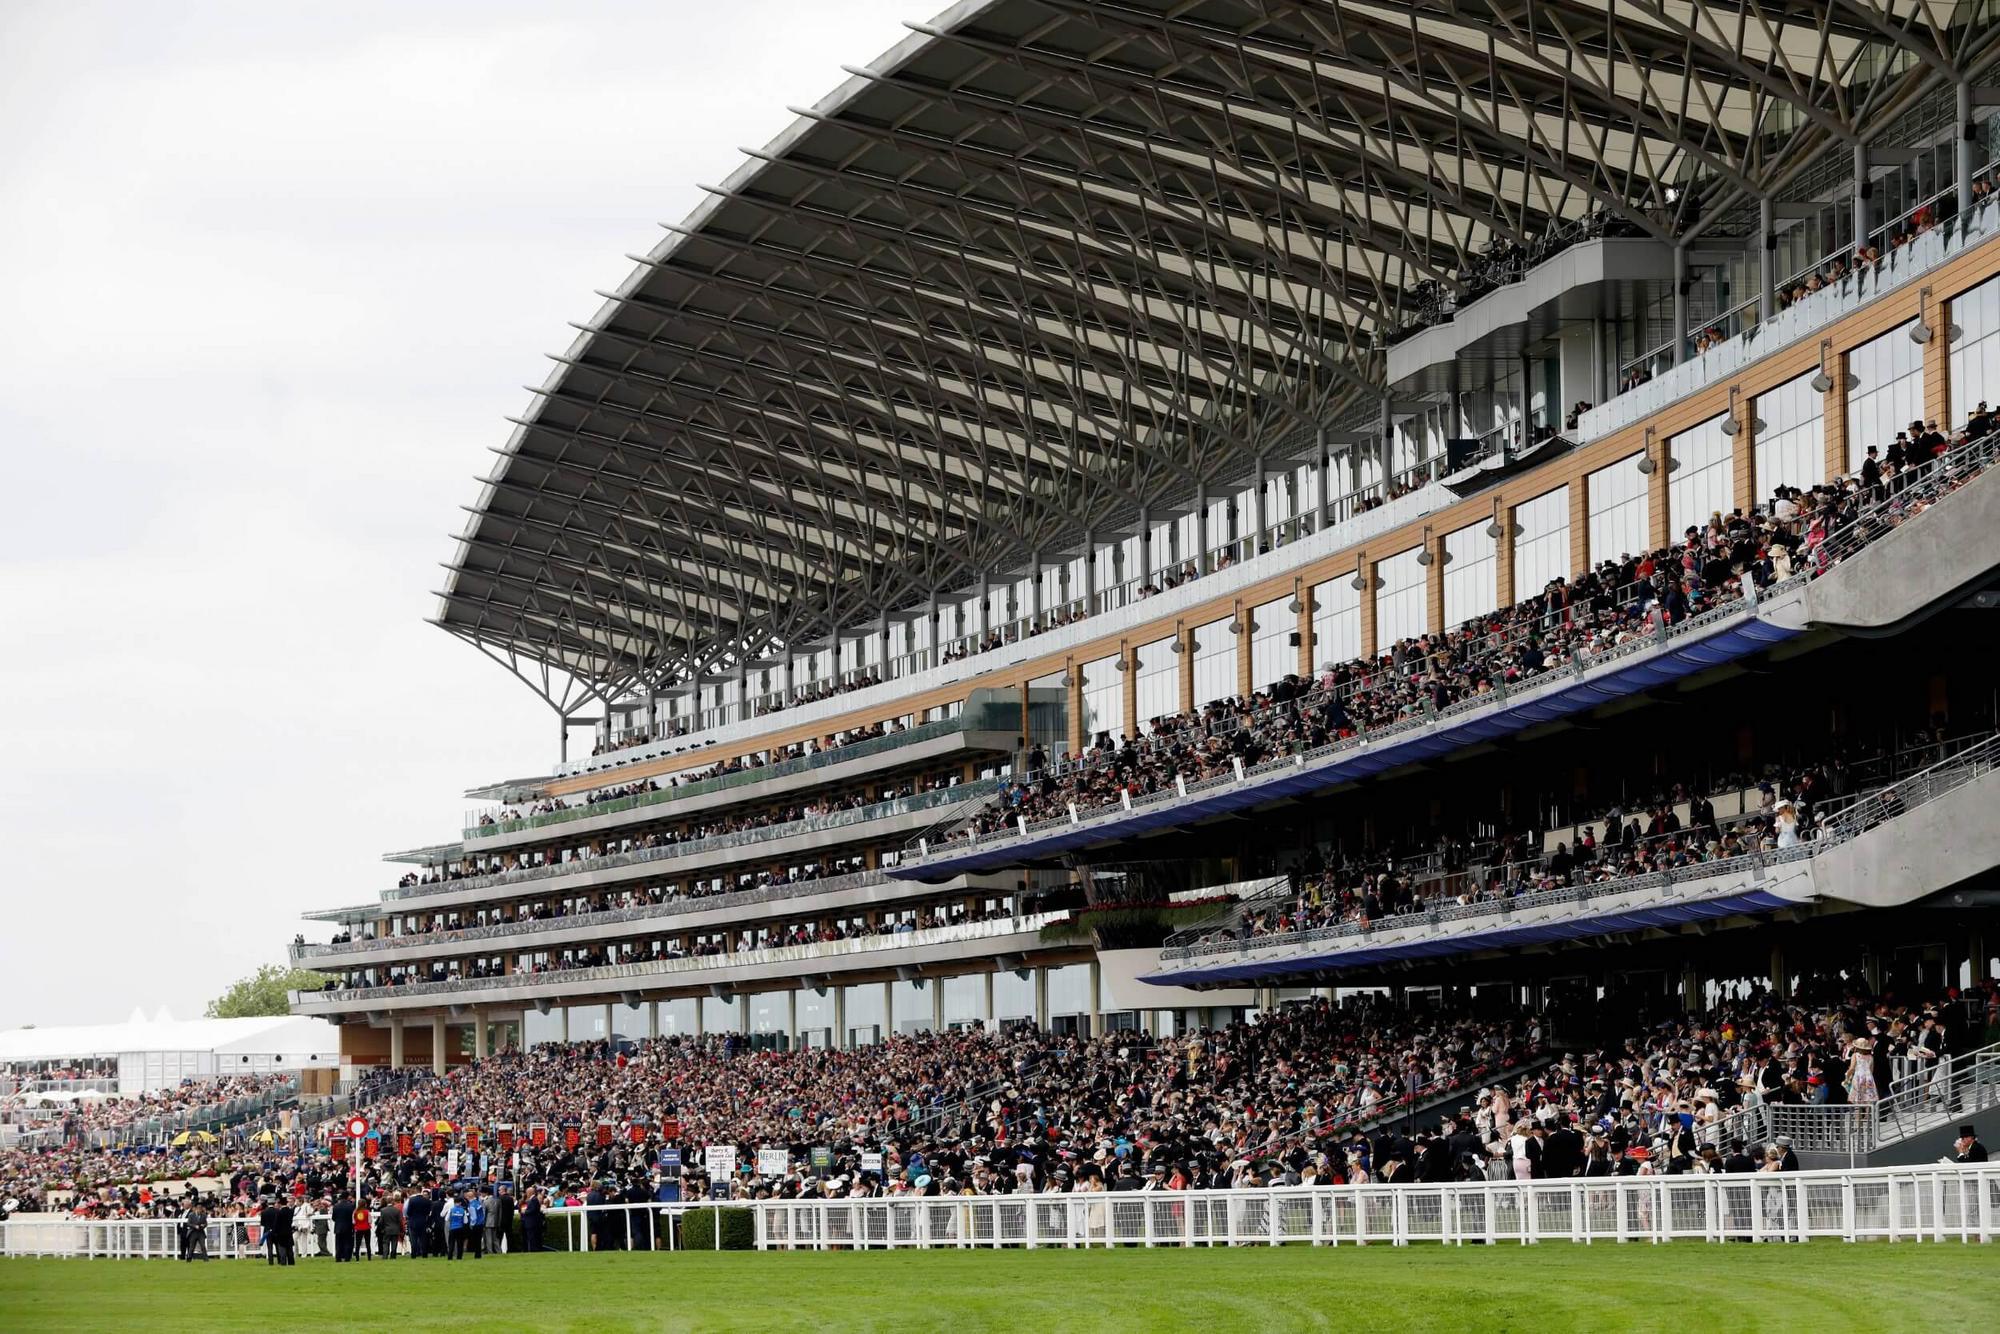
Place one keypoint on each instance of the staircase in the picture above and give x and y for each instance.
(1901, 1127)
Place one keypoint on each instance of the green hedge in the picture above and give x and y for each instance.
(739, 1230)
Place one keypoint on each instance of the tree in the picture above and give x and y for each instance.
(262, 993)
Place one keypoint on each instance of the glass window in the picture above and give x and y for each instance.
(1621, 511)
(1159, 684)
(1975, 357)
(1273, 655)
(1471, 585)
(1103, 699)
(1399, 599)
(1336, 622)
(1214, 663)
(1703, 483)
(1541, 543)
(1791, 449)
(1885, 394)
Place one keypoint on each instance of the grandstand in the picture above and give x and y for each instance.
(1128, 517)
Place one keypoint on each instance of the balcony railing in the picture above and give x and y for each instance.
(650, 971)
(921, 801)
(986, 719)
(1858, 817)
(1377, 507)
(526, 926)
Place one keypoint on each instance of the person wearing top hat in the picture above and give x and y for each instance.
(1968, 1147)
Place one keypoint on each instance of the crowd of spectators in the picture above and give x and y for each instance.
(692, 830)
(1570, 621)
(739, 764)
(1327, 891)
(1311, 1093)
(91, 1113)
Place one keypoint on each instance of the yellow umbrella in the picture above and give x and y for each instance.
(263, 1137)
(180, 1141)
(203, 1136)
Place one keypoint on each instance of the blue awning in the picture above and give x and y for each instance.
(1338, 954)
(1727, 642)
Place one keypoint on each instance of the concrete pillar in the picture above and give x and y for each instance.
(700, 1016)
(1937, 360)
(1680, 304)
(1781, 984)
(1861, 192)
(652, 1019)
(1503, 557)
(1035, 587)
(1767, 261)
(1691, 989)
(1128, 656)
(1074, 673)
(1303, 595)
(792, 1018)
(1042, 999)
(1245, 674)
(1833, 413)
(1186, 634)
(1743, 455)
(1145, 572)
(396, 1042)
(1975, 953)
(742, 1003)
(1962, 120)
(840, 1038)
(1201, 542)
(1580, 553)
(564, 1011)
(437, 1044)
(1660, 521)
(1090, 574)
(607, 1021)
(992, 1022)
(1259, 506)
(478, 1035)
(1434, 586)
(1096, 998)
(1369, 646)
(1325, 466)
(936, 988)
(888, 1009)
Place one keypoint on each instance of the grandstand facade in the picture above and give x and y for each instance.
(1129, 513)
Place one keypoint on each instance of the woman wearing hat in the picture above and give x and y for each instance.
(1861, 1071)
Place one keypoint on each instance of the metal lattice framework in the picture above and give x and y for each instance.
(1051, 262)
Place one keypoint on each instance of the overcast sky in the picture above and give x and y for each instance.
(271, 277)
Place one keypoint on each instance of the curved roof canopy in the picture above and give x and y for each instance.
(1051, 262)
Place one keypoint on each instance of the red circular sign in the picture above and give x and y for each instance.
(357, 1126)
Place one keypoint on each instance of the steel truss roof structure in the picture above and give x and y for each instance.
(1050, 264)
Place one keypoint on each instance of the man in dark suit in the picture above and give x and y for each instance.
(1737, 1160)
(1562, 1152)
(269, 1219)
(417, 1224)
(1968, 1147)
(288, 1253)
(343, 1228)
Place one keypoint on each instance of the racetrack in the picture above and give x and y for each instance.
(1821, 1286)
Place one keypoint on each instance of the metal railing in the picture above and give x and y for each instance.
(669, 851)
(1861, 814)
(1938, 1094)
(1869, 522)
(667, 910)
(987, 719)
(654, 970)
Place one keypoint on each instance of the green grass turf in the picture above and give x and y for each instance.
(1688, 1286)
